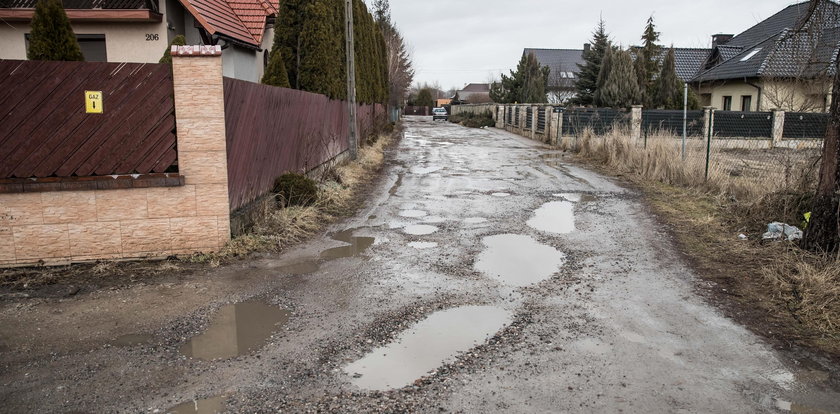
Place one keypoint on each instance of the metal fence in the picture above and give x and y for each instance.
(529, 118)
(599, 121)
(542, 113)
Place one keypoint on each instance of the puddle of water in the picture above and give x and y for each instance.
(420, 229)
(796, 408)
(423, 245)
(204, 406)
(554, 217)
(518, 260)
(357, 246)
(475, 220)
(426, 346)
(413, 213)
(236, 330)
(132, 340)
(302, 268)
(425, 170)
(397, 184)
(500, 194)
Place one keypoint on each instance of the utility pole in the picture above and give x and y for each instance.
(351, 77)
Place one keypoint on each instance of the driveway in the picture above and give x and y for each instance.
(485, 273)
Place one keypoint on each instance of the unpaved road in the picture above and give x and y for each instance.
(470, 234)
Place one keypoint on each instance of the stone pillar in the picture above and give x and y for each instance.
(707, 121)
(778, 127)
(534, 114)
(556, 128)
(636, 123)
(200, 119)
(523, 115)
(500, 117)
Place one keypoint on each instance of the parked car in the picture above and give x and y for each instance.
(439, 113)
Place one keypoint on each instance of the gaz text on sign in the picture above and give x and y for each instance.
(93, 102)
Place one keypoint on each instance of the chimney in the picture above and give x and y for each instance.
(586, 47)
(721, 39)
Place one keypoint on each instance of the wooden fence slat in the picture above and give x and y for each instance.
(44, 131)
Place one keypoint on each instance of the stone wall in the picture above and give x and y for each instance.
(59, 227)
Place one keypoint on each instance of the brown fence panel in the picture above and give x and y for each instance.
(45, 131)
(271, 131)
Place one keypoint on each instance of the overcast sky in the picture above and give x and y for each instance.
(455, 42)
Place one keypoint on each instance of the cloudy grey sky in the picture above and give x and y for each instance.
(455, 42)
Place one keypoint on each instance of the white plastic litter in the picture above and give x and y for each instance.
(782, 231)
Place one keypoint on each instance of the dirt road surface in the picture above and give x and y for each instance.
(485, 273)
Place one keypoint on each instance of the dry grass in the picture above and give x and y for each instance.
(775, 287)
(284, 227)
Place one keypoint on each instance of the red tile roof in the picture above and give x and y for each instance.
(242, 20)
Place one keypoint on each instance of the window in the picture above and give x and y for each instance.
(750, 55)
(92, 46)
(727, 103)
(746, 103)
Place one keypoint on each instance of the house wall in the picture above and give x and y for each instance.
(775, 95)
(64, 226)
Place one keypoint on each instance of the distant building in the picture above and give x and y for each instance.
(563, 66)
(141, 30)
(774, 64)
(474, 93)
(442, 102)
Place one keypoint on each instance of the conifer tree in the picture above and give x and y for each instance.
(669, 87)
(424, 98)
(52, 37)
(287, 31)
(603, 75)
(620, 89)
(179, 40)
(587, 75)
(321, 66)
(650, 55)
(275, 73)
(526, 85)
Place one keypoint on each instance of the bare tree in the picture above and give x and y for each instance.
(400, 71)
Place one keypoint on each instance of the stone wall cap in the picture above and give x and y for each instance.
(196, 50)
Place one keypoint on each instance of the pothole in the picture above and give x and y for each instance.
(413, 213)
(302, 268)
(427, 345)
(235, 330)
(420, 229)
(518, 260)
(356, 245)
(554, 217)
(423, 245)
(211, 405)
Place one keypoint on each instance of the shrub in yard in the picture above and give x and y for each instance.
(179, 40)
(52, 37)
(472, 120)
(295, 190)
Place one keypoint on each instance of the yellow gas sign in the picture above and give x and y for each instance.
(93, 102)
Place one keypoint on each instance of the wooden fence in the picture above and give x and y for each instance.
(271, 131)
(46, 132)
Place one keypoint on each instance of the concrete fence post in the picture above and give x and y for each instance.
(534, 115)
(636, 123)
(500, 116)
(707, 120)
(523, 115)
(778, 128)
(557, 128)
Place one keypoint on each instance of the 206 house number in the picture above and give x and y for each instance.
(152, 37)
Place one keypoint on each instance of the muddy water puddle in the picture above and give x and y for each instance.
(554, 217)
(426, 346)
(203, 406)
(130, 340)
(518, 260)
(236, 330)
(420, 229)
(357, 245)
